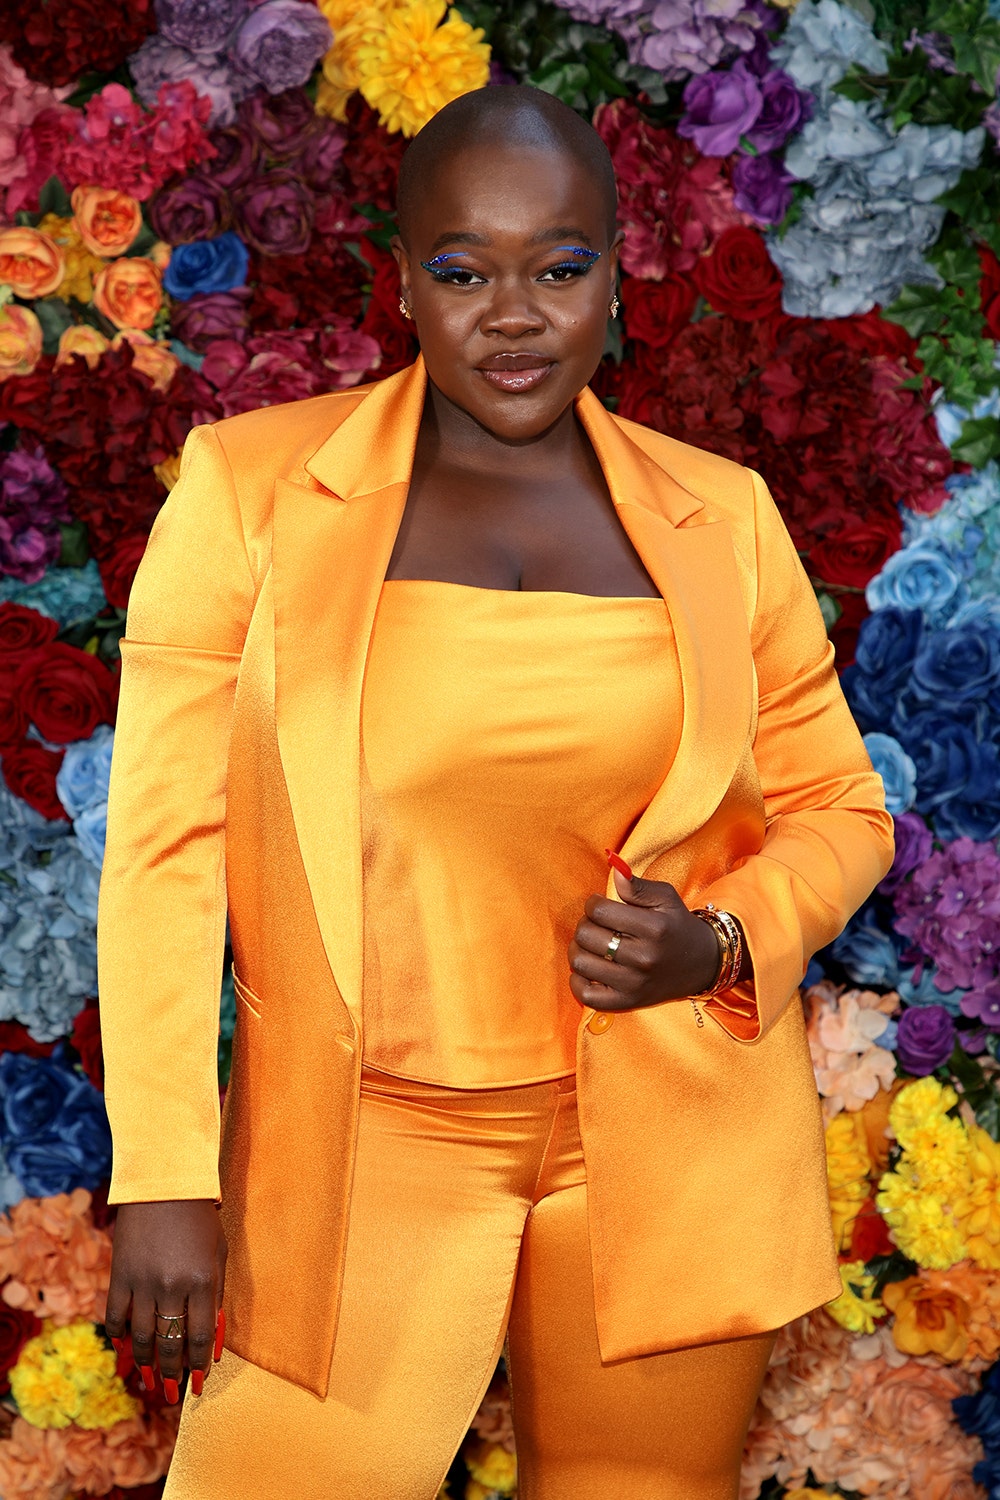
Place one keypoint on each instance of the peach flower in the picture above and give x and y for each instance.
(493, 1421)
(108, 220)
(57, 1262)
(52, 1463)
(128, 292)
(80, 338)
(31, 263)
(154, 359)
(20, 340)
(843, 1029)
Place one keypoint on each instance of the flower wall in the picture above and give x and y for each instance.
(195, 208)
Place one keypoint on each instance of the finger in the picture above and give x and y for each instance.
(634, 921)
(650, 893)
(603, 971)
(171, 1338)
(597, 940)
(201, 1333)
(598, 996)
(144, 1337)
(116, 1315)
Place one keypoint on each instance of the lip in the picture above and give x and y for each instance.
(515, 372)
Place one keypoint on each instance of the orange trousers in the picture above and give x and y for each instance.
(469, 1224)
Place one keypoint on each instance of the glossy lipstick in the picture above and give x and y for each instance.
(515, 372)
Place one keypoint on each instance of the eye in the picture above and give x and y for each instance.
(566, 270)
(455, 275)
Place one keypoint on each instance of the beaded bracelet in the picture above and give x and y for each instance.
(730, 940)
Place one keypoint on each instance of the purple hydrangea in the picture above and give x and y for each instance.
(925, 1039)
(158, 61)
(675, 37)
(950, 910)
(32, 506)
(280, 42)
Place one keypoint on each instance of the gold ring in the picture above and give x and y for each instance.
(613, 946)
(175, 1325)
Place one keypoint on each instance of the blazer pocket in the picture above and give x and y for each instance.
(246, 994)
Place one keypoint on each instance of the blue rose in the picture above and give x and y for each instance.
(959, 664)
(91, 828)
(215, 265)
(866, 952)
(53, 1125)
(82, 778)
(921, 576)
(958, 774)
(979, 1414)
(887, 644)
(898, 773)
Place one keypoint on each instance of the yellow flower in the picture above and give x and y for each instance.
(493, 1467)
(418, 62)
(804, 1494)
(352, 25)
(922, 1223)
(68, 1376)
(919, 1104)
(169, 471)
(977, 1210)
(81, 264)
(848, 1165)
(856, 1308)
(928, 1319)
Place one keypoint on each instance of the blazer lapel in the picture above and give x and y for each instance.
(694, 567)
(333, 536)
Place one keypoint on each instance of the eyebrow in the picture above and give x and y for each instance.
(558, 232)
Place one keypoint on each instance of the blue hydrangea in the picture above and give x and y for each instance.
(11, 1190)
(923, 991)
(64, 594)
(898, 773)
(822, 40)
(949, 416)
(82, 785)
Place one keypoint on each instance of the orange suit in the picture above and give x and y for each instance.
(235, 785)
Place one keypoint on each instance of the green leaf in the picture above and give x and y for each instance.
(828, 608)
(979, 56)
(886, 1268)
(55, 317)
(73, 550)
(988, 1116)
(978, 441)
(919, 309)
(54, 199)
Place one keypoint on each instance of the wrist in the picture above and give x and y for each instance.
(730, 949)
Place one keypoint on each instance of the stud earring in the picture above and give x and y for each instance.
(613, 309)
(404, 308)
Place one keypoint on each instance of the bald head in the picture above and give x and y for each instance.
(504, 116)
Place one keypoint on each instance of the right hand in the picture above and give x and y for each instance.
(167, 1255)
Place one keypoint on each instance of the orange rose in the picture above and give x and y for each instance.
(929, 1319)
(81, 339)
(20, 340)
(129, 293)
(108, 220)
(30, 262)
(153, 359)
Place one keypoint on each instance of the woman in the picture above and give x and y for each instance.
(402, 663)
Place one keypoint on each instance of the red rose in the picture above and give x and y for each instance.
(23, 629)
(371, 158)
(989, 290)
(16, 1328)
(656, 311)
(844, 633)
(13, 719)
(65, 692)
(86, 1038)
(57, 42)
(383, 320)
(17, 1038)
(858, 549)
(29, 770)
(118, 571)
(739, 278)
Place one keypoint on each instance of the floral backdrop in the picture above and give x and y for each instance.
(195, 209)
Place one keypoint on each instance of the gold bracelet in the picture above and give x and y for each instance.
(730, 941)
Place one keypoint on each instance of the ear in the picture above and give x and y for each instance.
(402, 258)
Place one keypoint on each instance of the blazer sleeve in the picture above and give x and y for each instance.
(828, 838)
(162, 909)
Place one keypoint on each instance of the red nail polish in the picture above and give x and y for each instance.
(617, 863)
(170, 1390)
(119, 1345)
(197, 1381)
(220, 1334)
(148, 1378)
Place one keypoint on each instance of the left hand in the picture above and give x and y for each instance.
(665, 952)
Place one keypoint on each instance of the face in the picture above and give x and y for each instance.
(509, 272)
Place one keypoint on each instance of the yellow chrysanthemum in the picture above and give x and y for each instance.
(353, 25)
(418, 61)
(81, 264)
(918, 1105)
(67, 1376)
(492, 1467)
(977, 1210)
(847, 1166)
(922, 1223)
(856, 1308)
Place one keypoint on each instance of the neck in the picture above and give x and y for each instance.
(451, 436)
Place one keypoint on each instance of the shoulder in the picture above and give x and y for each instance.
(279, 439)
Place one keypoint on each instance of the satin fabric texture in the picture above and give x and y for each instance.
(469, 1210)
(235, 787)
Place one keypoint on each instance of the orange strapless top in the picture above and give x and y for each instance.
(508, 738)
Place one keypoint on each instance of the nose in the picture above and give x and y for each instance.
(513, 310)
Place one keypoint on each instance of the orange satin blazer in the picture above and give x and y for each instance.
(235, 787)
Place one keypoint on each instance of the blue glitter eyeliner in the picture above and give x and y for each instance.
(439, 260)
(580, 250)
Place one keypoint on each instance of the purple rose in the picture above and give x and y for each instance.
(783, 111)
(925, 1039)
(280, 42)
(320, 162)
(211, 315)
(236, 159)
(199, 25)
(983, 1004)
(720, 108)
(158, 61)
(914, 842)
(275, 214)
(763, 189)
(193, 208)
(283, 123)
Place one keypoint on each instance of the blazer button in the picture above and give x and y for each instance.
(600, 1021)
